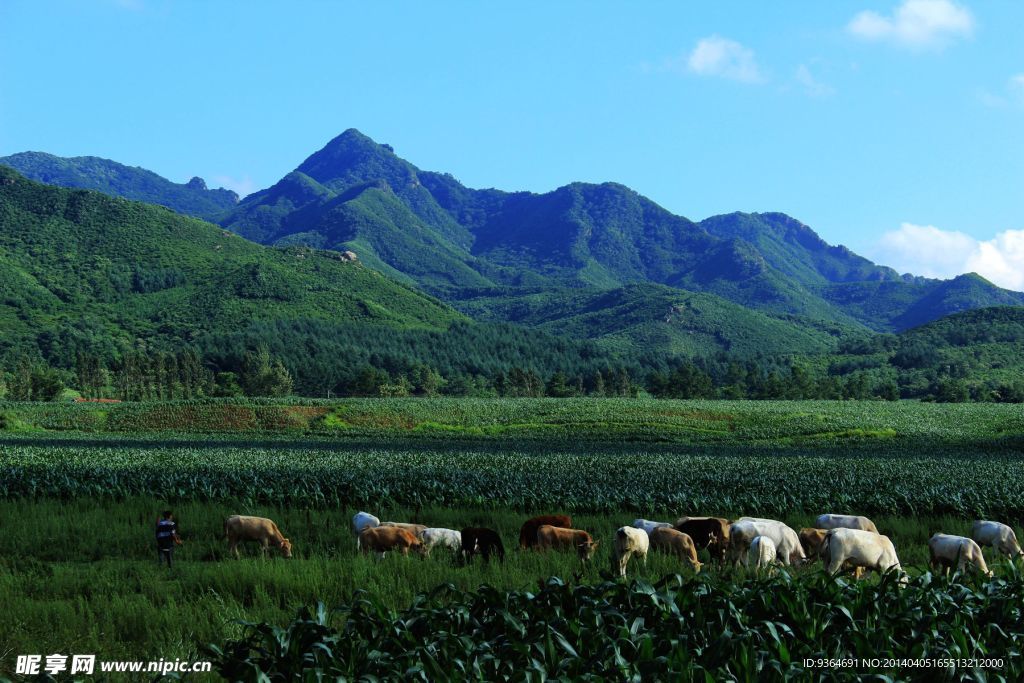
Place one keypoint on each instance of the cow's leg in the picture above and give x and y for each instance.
(233, 548)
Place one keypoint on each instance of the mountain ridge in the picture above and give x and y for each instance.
(426, 229)
(131, 182)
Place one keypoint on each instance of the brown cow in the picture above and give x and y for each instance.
(811, 541)
(707, 532)
(528, 532)
(381, 539)
(482, 541)
(239, 528)
(677, 543)
(414, 529)
(557, 538)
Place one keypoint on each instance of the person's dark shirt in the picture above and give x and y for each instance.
(166, 530)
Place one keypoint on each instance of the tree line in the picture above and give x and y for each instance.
(144, 375)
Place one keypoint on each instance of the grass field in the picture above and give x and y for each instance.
(78, 570)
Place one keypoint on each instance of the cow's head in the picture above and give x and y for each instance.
(587, 549)
(286, 547)
(419, 548)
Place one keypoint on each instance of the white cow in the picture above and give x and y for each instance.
(361, 521)
(629, 541)
(649, 526)
(828, 521)
(442, 538)
(948, 551)
(859, 548)
(758, 519)
(762, 552)
(787, 544)
(996, 535)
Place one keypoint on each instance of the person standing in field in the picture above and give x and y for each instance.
(166, 537)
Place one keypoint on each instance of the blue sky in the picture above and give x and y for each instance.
(895, 127)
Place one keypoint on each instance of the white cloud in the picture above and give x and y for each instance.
(929, 251)
(1013, 94)
(916, 24)
(243, 186)
(989, 99)
(810, 84)
(1016, 88)
(724, 58)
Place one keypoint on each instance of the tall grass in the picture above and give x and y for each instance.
(82, 575)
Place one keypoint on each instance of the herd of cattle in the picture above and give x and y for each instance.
(841, 541)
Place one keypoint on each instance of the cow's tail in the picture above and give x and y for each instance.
(826, 550)
(224, 533)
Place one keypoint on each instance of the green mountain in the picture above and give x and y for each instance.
(976, 355)
(80, 269)
(93, 173)
(427, 228)
(661, 319)
(598, 262)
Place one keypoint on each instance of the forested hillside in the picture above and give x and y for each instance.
(103, 175)
(429, 229)
(381, 279)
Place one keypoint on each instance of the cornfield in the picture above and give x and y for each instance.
(700, 628)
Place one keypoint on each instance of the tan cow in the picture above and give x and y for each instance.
(811, 540)
(672, 542)
(556, 538)
(830, 521)
(947, 551)
(629, 541)
(414, 529)
(240, 528)
(382, 539)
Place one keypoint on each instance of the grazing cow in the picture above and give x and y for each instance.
(859, 548)
(629, 541)
(444, 538)
(528, 532)
(361, 521)
(382, 539)
(482, 541)
(414, 529)
(758, 519)
(707, 532)
(762, 553)
(648, 526)
(671, 542)
(946, 551)
(996, 535)
(828, 521)
(239, 528)
(557, 538)
(811, 540)
(787, 544)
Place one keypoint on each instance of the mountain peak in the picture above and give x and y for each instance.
(353, 157)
